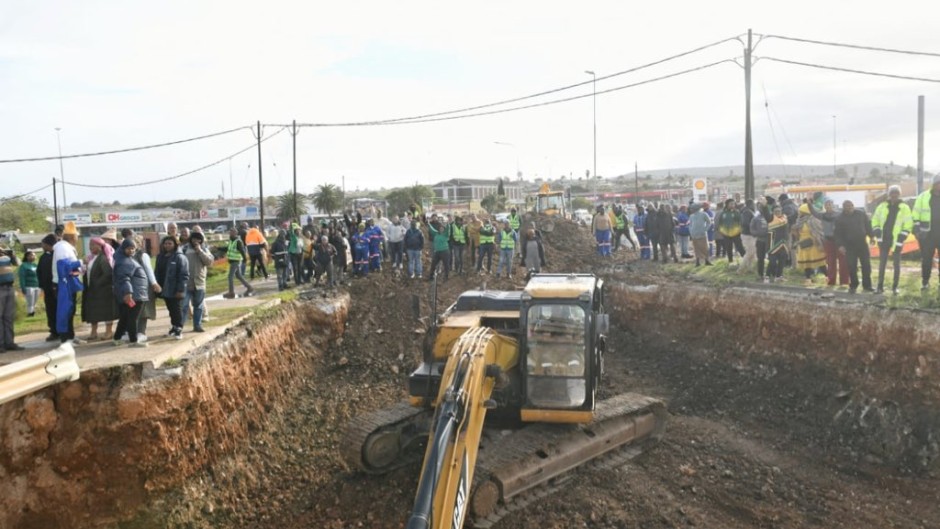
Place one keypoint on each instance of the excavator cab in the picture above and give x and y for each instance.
(562, 316)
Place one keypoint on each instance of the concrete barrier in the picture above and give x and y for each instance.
(26, 376)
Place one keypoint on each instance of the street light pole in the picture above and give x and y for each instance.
(58, 139)
(594, 100)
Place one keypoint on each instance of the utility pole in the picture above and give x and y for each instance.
(920, 144)
(260, 180)
(55, 205)
(58, 139)
(636, 183)
(748, 147)
(294, 134)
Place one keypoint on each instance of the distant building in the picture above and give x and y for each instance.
(468, 189)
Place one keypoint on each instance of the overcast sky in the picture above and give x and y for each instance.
(122, 74)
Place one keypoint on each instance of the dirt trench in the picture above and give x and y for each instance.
(774, 422)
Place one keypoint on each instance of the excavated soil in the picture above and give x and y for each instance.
(755, 436)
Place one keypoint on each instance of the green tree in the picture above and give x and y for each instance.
(285, 206)
(493, 203)
(499, 188)
(402, 198)
(25, 214)
(328, 198)
(581, 203)
(874, 173)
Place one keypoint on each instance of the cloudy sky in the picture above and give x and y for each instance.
(122, 74)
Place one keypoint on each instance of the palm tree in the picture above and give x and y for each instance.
(285, 207)
(328, 198)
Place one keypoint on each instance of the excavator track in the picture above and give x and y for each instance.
(535, 461)
(380, 441)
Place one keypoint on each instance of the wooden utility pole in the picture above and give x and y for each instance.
(260, 180)
(920, 144)
(294, 134)
(748, 148)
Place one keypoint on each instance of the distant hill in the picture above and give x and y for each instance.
(782, 172)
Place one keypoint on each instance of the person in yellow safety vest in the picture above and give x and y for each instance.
(506, 241)
(487, 240)
(927, 208)
(514, 221)
(458, 242)
(236, 256)
(891, 223)
(621, 228)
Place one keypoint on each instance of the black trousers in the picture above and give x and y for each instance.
(486, 250)
(175, 308)
(442, 257)
(760, 247)
(258, 262)
(856, 254)
(127, 321)
(929, 245)
(52, 302)
(886, 245)
(733, 243)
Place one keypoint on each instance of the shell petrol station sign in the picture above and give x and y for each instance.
(699, 190)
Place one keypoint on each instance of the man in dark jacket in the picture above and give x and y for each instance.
(173, 275)
(851, 228)
(131, 290)
(48, 286)
(652, 230)
(666, 232)
(414, 244)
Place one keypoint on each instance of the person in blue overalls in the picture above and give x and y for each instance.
(639, 227)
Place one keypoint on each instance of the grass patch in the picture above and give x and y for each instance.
(224, 316)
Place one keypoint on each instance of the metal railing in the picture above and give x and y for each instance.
(27, 376)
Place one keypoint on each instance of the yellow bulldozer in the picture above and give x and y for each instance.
(545, 205)
(504, 402)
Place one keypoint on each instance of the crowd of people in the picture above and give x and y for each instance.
(773, 234)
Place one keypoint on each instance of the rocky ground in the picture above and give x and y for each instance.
(739, 450)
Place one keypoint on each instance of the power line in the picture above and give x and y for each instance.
(863, 72)
(130, 149)
(534, 105)
(187, 173)
(7, 199)
(855, 46)
(517, 99)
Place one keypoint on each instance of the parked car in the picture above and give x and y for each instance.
(220, 229)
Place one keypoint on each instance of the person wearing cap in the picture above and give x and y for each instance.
(458, 243)
(279, 255)
(506, 240)
(927, 209)
(131, 291)
(360, 244)
(110, 237)
(891, 222)
(852, 227)
(487, 240)
(65, 274)
(256, 244)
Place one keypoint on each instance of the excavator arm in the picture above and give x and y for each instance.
(474, 366)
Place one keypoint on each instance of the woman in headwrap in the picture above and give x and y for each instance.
(777, 251)
(98, 303)
(810, 254)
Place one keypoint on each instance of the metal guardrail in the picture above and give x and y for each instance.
(27, 376)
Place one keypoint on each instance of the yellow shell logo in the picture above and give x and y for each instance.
(700, 184)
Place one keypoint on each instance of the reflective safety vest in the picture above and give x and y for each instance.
(460, 234)
(514, 222)
(507, 242)
(921, 212)
(902, 224)
(620, 222)
(487, 234)
(233, 254)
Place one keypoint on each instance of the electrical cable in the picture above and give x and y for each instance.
(773, 133)
(786, 136)
(187, 173)
(7, 199)
(517, 99)
(863, 72)
(523, 107)
(855, 46)
(130, 149)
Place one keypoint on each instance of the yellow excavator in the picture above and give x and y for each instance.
(505, 401)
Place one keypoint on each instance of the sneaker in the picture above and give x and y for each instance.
(53, 337)
(139, 344)
(171, 332)
(229, 295)
(141, 338)
(178, 334)
(766, 280)
(31, 314)
(251, 292)
(116, 343)
(895, 291)
(14, 347)
(852, 290)
(925, 287)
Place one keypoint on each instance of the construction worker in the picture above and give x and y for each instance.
(458, 239)
(506, 240)
(236, 256)
(927, 208)
(375, 236)
(892, 222)
(360, 242)
(600, 225)
(487, 240)
(621, 228)
(639, 226)
(514, 221)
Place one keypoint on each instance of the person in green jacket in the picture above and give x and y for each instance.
(440, 234)
(927, 208)
(892, 223)
(29, 281)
